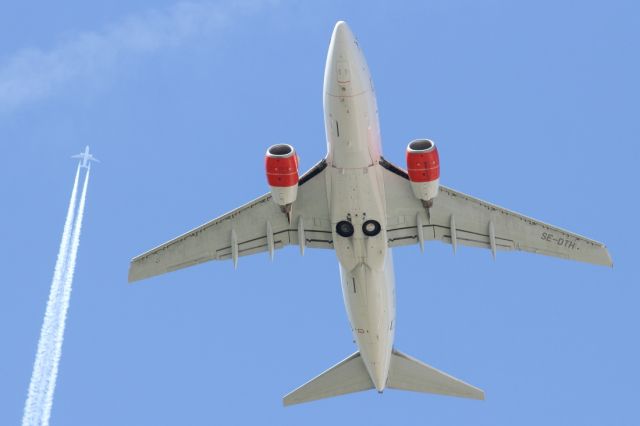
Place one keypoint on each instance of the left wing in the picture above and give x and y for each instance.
(460, 219)
(255, 227)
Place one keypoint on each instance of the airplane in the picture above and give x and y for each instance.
(85, 158)
(362, 206)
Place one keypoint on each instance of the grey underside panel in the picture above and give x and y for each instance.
(473, 219)
(408, 373)
(213, 240)
(347, 376)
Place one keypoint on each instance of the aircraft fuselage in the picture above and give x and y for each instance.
(356, 195)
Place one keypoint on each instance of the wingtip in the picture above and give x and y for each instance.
(609, 261)
(288, 400)
(131, 275)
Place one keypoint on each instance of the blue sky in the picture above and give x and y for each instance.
(534, 106)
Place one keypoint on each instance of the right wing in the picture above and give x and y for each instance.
(457, 218)
(255, 227)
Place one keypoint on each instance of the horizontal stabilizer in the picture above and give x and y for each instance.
(345, 377)
(408, 373)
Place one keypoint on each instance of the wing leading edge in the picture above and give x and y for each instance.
(258, 226)
(460, 219)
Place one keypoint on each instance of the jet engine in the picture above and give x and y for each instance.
(281, 163)
(423, 166)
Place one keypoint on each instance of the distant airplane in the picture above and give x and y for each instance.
(360, 205)
(85, 158)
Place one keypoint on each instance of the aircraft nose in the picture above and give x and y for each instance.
(343, 42)
(342, 35)
(346, 71)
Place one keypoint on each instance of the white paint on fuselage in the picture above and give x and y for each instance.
(356, 193)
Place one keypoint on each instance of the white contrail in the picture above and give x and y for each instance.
(58, 336)
(42, 363)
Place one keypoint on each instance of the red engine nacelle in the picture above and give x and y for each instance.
(423, 166)
(281, 164)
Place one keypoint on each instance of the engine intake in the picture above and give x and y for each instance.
(423, 167)
(281, 164)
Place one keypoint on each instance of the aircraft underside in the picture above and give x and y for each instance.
(360, 205)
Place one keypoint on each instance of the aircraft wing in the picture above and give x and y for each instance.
(460, 219)
(256, 227)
